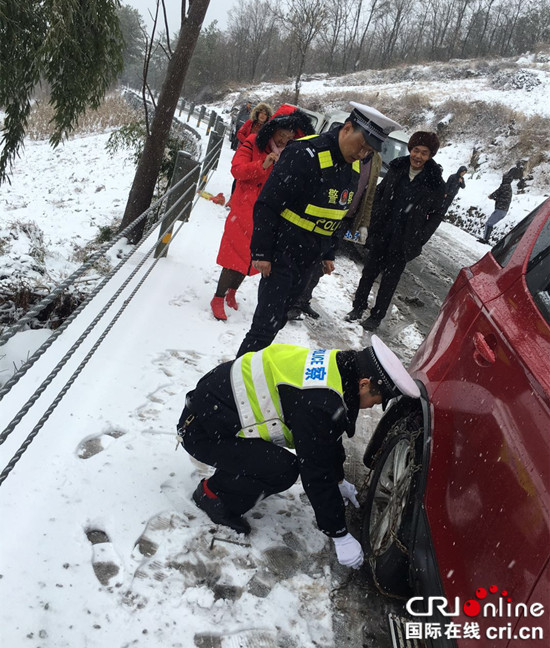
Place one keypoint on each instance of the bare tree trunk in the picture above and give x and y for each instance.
(458, 27)
(469, 29)
(148, 168)
(505, 51)
(364, 35)
(481, 47)
(353, 39)
(418, 41)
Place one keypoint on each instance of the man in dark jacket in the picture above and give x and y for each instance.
(356, 223)
(454, 182)
(243, 415)
(300, 208)
(502, 197)
(408, 208)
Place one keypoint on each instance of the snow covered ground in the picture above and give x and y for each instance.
(101, 544)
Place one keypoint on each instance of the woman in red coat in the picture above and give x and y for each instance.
(259, 116)
(251, 166)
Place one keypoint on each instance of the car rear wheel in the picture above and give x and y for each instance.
(388, 513)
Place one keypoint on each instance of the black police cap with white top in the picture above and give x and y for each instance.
(384, 368)
(375, 126)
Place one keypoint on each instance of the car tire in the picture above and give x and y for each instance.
(388, 511)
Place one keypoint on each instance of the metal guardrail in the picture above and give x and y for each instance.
(202, 114)
(178, 203)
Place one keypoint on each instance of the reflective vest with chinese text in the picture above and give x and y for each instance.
(256, 376)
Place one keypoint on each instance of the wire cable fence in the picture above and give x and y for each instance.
(184, 202)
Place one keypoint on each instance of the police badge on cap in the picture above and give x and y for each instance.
(374, 125)
(383, 367)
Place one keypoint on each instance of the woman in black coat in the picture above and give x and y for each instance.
(454, 182)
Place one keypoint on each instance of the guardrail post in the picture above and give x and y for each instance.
(184, 165)
(182, 107)
(191, 109)
(211, 159)
(219, 126)
(201, 115)
(211, 121)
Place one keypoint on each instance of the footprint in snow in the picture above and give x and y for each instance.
(180, 300)
(156, 528)
(169, 361)
(105, 562)
(92, 445)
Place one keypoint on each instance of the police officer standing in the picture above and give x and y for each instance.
(299, 210)
(244, 414)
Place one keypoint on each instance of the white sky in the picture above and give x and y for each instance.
(125, 405)
(217, 10)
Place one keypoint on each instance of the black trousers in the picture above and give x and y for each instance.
(276, 294)
(317, 272)
(391, 268)
(247, 470)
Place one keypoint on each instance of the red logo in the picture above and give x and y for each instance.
(472, 607)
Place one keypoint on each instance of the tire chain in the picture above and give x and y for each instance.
(399, 428)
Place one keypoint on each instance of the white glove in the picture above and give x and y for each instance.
(348, 551)
(348, 492)
(363, 233)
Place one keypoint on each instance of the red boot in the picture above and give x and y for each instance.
(218, 309)
(230, 299)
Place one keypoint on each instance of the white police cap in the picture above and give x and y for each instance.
(389, 374)
(375, 126)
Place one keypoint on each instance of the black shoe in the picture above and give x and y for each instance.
(371, 323)
(354, 314)
(294, 314)
(217, 511)
(306, 308)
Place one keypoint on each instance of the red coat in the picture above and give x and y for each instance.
(248, 128)
(246, 168)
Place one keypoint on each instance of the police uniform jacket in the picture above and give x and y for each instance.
(297, 180)
(406, 213)
(316, 419)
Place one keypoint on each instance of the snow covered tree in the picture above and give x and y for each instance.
(73, 46)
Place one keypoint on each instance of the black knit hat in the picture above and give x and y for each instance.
(296, 121)
(424, 138)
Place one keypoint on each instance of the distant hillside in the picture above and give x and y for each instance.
(498, 107)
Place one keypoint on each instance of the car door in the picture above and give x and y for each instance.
(488, 494)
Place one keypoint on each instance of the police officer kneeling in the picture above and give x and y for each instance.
(245, 415)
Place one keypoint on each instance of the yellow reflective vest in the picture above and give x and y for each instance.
(255, 379)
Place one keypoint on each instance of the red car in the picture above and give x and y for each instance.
(457, 515)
